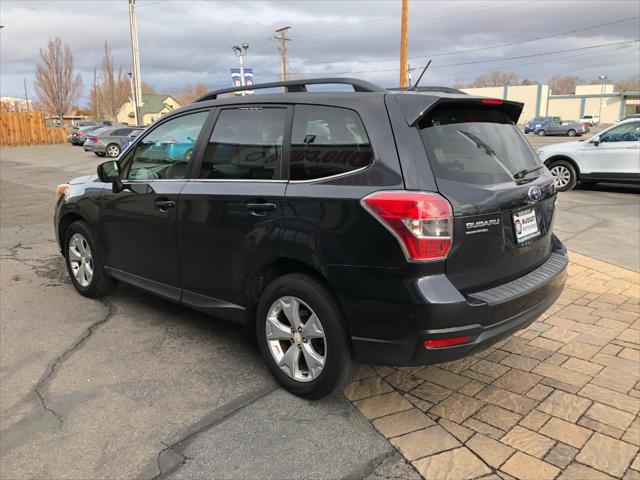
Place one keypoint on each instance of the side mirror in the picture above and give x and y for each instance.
(596, 140)
(109, 172)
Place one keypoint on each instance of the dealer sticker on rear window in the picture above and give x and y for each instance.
(526, 225)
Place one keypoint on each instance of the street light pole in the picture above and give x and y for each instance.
(602, 79)
(135, 58)
(133, 98)
(240, 52)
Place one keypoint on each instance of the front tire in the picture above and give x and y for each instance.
(302, 337)
(113, 150)
(572, 133)
(84, 262)
(564, 174)
(541, 133)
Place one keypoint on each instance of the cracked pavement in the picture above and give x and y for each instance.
(132, 386)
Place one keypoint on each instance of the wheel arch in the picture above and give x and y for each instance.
(555, 158)
(64, 224)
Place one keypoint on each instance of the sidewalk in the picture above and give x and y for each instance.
(558, 400)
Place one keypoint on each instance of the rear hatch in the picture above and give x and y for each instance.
(503, 198)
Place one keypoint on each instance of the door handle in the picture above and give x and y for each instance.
(261, 208)
(164, 204)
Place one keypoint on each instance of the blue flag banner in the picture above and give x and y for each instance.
(248, 79)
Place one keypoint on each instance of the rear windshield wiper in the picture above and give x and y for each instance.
(523, 173)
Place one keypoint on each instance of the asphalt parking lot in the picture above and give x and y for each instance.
(133, 386)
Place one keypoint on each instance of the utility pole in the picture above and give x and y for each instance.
(95, 94)
(403, 44)
(283, 49)
(133, 95)
(26, 95)
(135, 60)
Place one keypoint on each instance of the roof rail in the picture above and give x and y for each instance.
(433, 88)
(292, 86)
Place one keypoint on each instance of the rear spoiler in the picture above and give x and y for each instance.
(416, 105)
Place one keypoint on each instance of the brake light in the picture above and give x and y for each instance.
(491, 101)
(446, 342)
(94, 139)
(421, 221)
(79, 134)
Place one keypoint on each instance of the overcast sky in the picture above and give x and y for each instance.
(189, 41)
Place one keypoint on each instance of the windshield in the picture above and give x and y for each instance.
(475, 145)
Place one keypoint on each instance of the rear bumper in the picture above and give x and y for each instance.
(94, 147)
(441, 311)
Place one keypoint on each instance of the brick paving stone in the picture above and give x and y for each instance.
(528, 441)
(580, 350)
(562, 374)
(458, 464)
(610, 416)
(490, 369)
(561, 455)
(480, 377)
(412, 370)
(582, 366)
(607, 454)
(382, 405)
(632, 435)
(493, 452)
(565, 406)
(472, 388)
(384, 370)
(535, 420)
(457, 407)
(631, 475)
(614, 379)
(636, 463)
(581, 472)
(630, 354)
(520, 362)
(497, 356)
(517, 381)
(613, 399)
(617, 362)
(526, 467)
(419, 403)
(611, 349)
(560, 334)
(364, 371)
(555, 384)
(556, 359)
(402, 422)
(483, 428)
(431, 392)
(460, 365)
(498, 417)
(546, 344)
(520, 347)
(443, 378)
(505, 399)
(369, 387)
(458, 431)
(403, 381)
(566, 432)
(600, 427)
(425, 442)
(539, 392)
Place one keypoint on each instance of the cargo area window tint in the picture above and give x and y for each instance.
(327, 141)
(246, 143)
(475, 145)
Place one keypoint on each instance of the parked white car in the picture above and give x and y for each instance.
(590, 119)
(611, 156)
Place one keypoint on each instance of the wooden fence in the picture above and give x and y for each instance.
(28, 128)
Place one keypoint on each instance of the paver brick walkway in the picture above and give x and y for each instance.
(559, 399)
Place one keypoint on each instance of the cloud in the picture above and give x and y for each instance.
(185, 42)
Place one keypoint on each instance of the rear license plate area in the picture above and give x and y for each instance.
(525, 225)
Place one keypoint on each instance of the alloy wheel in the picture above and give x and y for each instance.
(80, 259)
(113, 151)
(296, 339)
(561, 175)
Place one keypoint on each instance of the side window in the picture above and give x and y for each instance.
(629, 132)
(327, 141)
(165, 152)
(121, 132)
(246, 143)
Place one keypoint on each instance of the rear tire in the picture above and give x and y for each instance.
(572, 133)
(541, 133)
(564, 174)
(324, 338)
(80, 251)
(113, 150)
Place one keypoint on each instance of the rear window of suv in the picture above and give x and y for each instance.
(474, 145)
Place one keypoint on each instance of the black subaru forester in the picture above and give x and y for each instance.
(392, 227)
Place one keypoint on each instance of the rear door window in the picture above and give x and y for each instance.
(327, 141)
(246, 144)
(475, 145)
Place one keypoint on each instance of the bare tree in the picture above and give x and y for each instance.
(564, 85)
(57, 87)
(495, 79)
(146, 88)
(188, 94)
(631, 84)
(113, 90)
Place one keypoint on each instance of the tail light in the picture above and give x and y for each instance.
(79, 134)
(421, 221)
(446, 342)
(491, 101)
(94, 139)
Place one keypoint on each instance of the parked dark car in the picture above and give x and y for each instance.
(108, 140)
(401, 228)
(560, 127)
(536, 122)
(77, 137)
